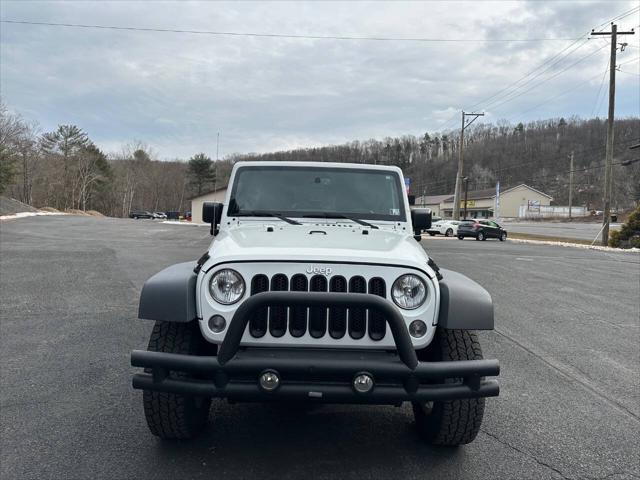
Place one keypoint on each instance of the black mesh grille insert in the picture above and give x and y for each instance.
(337, 321)
(318, 315)
(258, 323)
(377, 323)
(298, 315)
(278, 315)
(338, 315)
(357, 316)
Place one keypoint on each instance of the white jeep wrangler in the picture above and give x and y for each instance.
(315, 290)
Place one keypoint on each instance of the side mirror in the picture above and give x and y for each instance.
(212, 213)
(421, 220)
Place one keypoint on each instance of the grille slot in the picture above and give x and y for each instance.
(318, 321)
(258, 323)
(357, 316)
(278, 315)
(298, 315)
(377, 324)
(318, 315)
(338, 315)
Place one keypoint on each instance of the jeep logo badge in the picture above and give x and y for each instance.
(319, 270)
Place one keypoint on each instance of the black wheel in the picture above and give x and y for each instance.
(432, 234)
(449, 232)
(169, 415)
(454, 422)
(481, 236)
(503, 236)
(460, 237)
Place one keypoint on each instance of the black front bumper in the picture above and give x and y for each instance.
(323, 375)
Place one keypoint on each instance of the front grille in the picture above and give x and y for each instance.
(318, 321)
(258, 323)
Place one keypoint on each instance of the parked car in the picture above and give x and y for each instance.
(448, 228)
(141, 214)
(187, 216)
(481, 230)
(160, 215)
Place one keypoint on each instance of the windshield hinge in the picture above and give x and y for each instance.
(201, 262)
(435, 268)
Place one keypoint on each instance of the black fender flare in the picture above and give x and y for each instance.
(464, 304)
(170, 295)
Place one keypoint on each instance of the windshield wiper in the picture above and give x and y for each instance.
(339, 215)
(264, 213)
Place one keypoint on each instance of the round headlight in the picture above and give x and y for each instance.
(409, 292)
(226, 286)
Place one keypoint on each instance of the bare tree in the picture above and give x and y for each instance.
(12, 131)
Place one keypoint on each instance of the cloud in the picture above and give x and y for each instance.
(176, 91)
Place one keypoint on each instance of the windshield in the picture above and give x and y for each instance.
(318, 191)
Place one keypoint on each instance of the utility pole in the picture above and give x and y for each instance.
(466, 192)
(571, 185)
(608, 170)
(456, 195)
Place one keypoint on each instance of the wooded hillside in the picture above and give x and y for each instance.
(64, 169)
(536, 153)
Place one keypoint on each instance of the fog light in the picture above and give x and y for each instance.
(217, 323)
(417, 328)
(269, 381)
(363, 383)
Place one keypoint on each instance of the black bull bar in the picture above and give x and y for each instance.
(324, 375)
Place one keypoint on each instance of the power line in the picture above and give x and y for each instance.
(514, 85)
(495, 105)
(572, 89)
(559, 56)
(604, 75)
(549, 64)
(280, 35)
(629, 73)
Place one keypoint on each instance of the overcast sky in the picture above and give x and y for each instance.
(174, 91)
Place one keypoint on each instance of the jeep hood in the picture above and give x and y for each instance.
(320, 243)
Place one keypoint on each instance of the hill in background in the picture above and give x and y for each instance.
(536, 153)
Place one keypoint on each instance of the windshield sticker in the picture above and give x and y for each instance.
(394, 211)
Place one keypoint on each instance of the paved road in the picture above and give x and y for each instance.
(567, 338)
(582, 231)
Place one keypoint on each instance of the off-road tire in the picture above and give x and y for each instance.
(455, 422)
(169, 415)
(449, 232)
(503, 236)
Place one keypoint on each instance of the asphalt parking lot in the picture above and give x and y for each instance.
(567, 337)
(577, 230)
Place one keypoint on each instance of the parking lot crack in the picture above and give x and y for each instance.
(563, 370)
(528, 454)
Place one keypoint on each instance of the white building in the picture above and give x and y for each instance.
(217, 195)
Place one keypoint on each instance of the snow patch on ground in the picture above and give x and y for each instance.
(576, 245)
(29, 214)
(177, 222)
